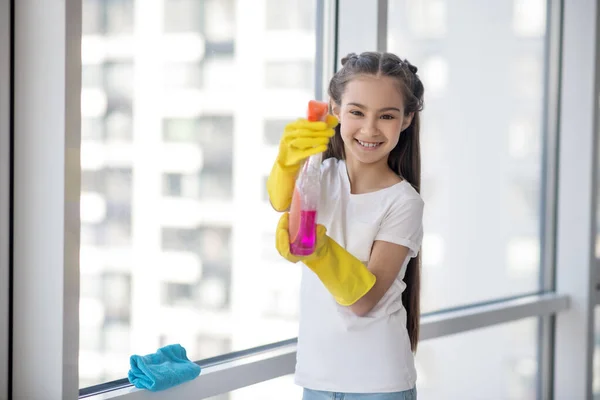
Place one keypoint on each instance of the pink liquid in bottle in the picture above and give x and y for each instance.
(305, 242)
(305, 199)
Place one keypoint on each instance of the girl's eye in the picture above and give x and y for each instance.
(387, 116)
(356, 112)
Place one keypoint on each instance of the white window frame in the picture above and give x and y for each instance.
(46, 209)
(549, 190)
(577, 199)
(46, 115)
(326, 47)
(5, 27)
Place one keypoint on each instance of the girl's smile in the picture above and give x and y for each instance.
(368, 146)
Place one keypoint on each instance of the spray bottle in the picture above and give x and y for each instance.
(307, 192)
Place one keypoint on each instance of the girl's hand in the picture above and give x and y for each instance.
(282, 240)
(302, 138)
(344, 276)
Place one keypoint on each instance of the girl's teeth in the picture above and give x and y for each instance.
(368, 144)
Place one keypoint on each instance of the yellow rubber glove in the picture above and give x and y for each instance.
(301, 139)
(344, 276)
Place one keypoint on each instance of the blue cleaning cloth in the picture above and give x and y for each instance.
(166, 368)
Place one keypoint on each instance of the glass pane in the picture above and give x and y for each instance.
(183, 15)
(118, 16)
(107, 17)
(275, 389)
(176, 234)
(91, 17)
(596, 371)
(297, 74)
(481, 140)
(509, 372)
(500, 361)
(279, 17)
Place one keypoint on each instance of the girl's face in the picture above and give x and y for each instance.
(371, 118)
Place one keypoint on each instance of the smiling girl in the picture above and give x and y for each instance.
(359, 308)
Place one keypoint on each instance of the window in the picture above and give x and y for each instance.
(289, 75)
(92, 129)
(529, 18)
(118, 16)
(482, 134)
(164, 166)
(524, 141)
(119, 125)
(116, 297)
(177, 294)
(503, 359)
(214, 19)
(279, 15)
(220, 20)
(427, 19)
(107, 17)
(91, 17)
(273, 131)
(183, 15)
(163, 261)
(281, 304)
(176, 236)
(212, 136)
(92, 76)
(118, 78)
(435, 75)
(212, 345)
(183, 75)
(166, 198)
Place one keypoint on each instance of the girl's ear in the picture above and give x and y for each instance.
(407, 121)
(335, 109)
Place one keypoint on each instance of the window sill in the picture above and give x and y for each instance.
(234, 371)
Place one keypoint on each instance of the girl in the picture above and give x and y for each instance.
(359, 307)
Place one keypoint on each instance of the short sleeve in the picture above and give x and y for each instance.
(403, 225)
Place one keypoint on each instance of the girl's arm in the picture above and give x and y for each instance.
(399, 236)
(351, 283)
(385, 263)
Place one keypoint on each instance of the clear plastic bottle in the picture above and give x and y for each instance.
(307, 192)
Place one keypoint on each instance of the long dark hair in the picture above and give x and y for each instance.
(404, 159)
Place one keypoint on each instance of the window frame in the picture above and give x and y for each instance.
(548, 191)
(577, 198)
(45, 213)
(5, 187)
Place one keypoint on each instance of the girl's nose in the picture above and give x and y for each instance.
(369, 129)
(370, 126)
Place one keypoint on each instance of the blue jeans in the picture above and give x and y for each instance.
(310, 394)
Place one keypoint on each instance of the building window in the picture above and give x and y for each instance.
(274, 130)
(116, 297)
(118, 16)
(289, 75)
(280, 17)
(184, 16)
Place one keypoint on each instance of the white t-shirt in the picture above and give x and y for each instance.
(337, 350)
